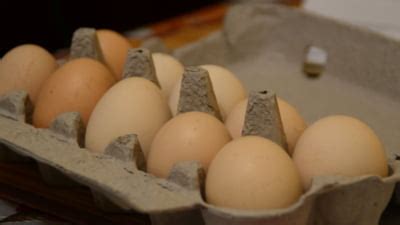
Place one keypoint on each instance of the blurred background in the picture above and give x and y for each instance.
(50, 23)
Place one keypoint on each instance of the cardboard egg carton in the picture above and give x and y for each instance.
(265, 45)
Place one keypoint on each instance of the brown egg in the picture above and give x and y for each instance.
(74, 87)
(115, 49)
(293, 123)
(252, 173)
(339, 145)
(235, 119)
(26, 67)
(132, 106)
(169, 70)
(189, 136)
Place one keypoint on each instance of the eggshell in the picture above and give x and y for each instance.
(339, 145)
(252, 173)
(169, 70)
(115, 49)
(235, 119)
(189, 136)
(133, 105)
(228, 89)
(74, 87)
(293, 123)
(26, 67)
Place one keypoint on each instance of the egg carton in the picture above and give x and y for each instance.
(257, 40)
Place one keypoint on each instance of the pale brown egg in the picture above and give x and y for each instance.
(235, 120)
(339, 145)
(293, 123)
(26, 67)
(192, 136)
(252, 173)
(74, 87)
(169, 70)
(115, 49)
(228, 89)
(132, 106)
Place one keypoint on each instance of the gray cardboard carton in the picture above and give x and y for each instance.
(264, 45)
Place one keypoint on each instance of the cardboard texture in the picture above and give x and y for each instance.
(263, 118)
(196, 93)
(86, 44)
(16, 106)
(264, 45)
(139, 63)
(155, 44)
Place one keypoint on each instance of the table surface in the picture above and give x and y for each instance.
(18, 182)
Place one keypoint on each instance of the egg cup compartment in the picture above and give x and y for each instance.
(86, 44)
(117, 184)
(267, 46)
(17, 107)
(117, 179)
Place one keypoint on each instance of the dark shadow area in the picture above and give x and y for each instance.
(391, 215)
(50, 23)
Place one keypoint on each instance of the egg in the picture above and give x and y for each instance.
(235, 119)
(293, 123)
(169, 70)
(74, 87)
(133, 105)
(339, 145)
(191, 136)
(115, 49)
(252, 173)
(227, 88)
(26, 67)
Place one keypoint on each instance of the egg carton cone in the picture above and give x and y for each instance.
(264, 44)
(123, 186)
(268, 46)
(197, 94)
(10, 110)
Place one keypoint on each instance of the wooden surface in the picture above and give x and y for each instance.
(183, 29)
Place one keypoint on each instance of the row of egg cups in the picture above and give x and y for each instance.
(191, 176)
(150, 75)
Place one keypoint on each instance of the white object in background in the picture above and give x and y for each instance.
(315, 60)
(379, 15)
